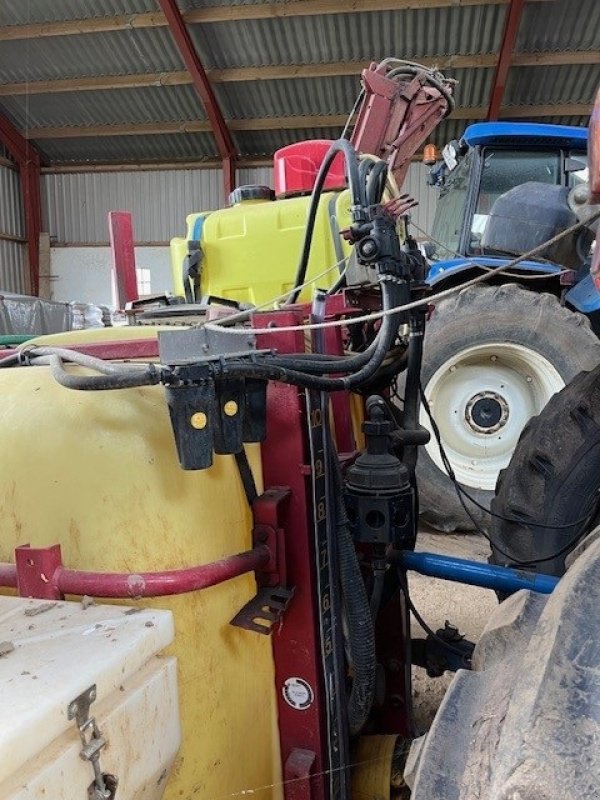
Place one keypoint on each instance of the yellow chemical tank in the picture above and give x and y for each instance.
(97, 472)
(251, 250)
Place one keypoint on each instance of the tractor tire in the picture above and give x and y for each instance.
(493, 357)
(524, 724)
(553, 478)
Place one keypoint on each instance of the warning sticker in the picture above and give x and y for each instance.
(297, 693)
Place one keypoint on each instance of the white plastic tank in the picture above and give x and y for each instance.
(57, 656)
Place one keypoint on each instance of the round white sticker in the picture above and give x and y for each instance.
(297, 693)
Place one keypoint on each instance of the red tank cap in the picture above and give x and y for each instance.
(297, 165)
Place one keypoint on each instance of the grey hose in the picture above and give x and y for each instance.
(123, 379)
(81, 359)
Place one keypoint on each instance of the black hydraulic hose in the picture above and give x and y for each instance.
(361, 631)
(412, 396)
(376, 183)
(384, 342)
(377, 592)
(413, 373)
(358, 201)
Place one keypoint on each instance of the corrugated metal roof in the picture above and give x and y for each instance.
(559, 25)
(285, 98)
(171, 147)
(351, 37)
(564, 120)
(331, 95)
(264, 143)
(110, 53)
(576, 83)
(156, 104)
(347, 36)
(22, 12)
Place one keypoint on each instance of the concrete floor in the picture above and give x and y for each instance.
(466, 607)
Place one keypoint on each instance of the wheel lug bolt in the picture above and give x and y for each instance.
(493, 358)
(529, 379)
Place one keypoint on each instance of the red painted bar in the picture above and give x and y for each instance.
(120, 228)
(123, 585)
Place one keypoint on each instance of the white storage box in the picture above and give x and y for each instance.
(53, 653)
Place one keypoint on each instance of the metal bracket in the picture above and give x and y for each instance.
(191, 345)
(297, 774)
(263, 612)
(103, 787)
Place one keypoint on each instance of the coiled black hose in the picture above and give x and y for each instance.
(361, 631)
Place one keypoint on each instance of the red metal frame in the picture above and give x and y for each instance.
(38, 572)
(202, 85)
(28, 160)
(120, 229)
(296, 645)
(123, 349)
(509, 37)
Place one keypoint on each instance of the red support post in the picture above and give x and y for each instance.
(32, 203)
(202, 85)
(28, 160)
(511, 29)
(120, 229)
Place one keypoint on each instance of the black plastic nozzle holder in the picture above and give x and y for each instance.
(214, 415)
(191, 408)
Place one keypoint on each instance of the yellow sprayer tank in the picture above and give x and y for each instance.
(251, 250)
(97, 473)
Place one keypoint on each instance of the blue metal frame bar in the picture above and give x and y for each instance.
(476, 573)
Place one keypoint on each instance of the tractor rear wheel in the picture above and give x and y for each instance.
(553, 479)
(493, 358)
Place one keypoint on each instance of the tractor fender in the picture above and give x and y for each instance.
(450, 271)
(584, 296)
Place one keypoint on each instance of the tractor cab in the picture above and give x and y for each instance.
(491, 159)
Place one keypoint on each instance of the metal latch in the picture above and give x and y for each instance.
(103, 787)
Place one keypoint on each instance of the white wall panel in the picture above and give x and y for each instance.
(83, 274)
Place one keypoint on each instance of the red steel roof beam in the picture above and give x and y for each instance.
(511, 29)
(28, 159)
(202, 85)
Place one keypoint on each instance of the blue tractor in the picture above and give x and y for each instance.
(495, 353)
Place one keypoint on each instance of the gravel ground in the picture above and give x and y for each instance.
(466, 607)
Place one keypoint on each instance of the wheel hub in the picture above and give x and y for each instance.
(481, 399)
(486, 412)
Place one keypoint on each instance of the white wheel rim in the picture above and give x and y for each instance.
(481, 400)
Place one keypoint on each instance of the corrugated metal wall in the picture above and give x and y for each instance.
(76, 205)
(13, 254)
